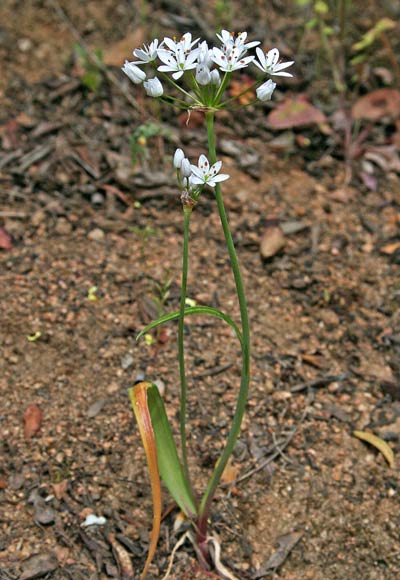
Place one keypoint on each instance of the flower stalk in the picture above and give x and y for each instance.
(187, 212)
(245, 376)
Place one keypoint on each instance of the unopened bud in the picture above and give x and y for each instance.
(178, 158)
(186, 170)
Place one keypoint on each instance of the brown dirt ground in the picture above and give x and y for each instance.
(324, 314)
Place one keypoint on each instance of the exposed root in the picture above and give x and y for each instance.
(178, 544)
(215, 552)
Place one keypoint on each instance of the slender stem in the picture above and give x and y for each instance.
(187, 213)
(245, 379)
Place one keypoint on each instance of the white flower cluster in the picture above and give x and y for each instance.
(192, 178)
(205, 65)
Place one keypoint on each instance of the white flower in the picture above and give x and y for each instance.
(269, 63)
(264, 92)
(185, 43)
(203, 75)
(147, 53)
(203, 173)
(178, 158)
(230, 61)
(136, 75)
(186, 169)
(153, 87)
(229, 41)
(205, 54)
(215, 77)
(177, 61)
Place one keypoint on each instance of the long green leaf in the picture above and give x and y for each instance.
(193, 310)
(168, 462)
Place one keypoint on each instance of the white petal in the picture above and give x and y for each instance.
(283, 65)
(166, 68)
(203, 163)
(221, 177)
(261, 58)
(216, 167)
(280, 74)
(196, 172)
(170, 43)
(196, 180)
(166, 56)
(272, 57)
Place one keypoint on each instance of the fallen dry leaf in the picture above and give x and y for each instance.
(38, 566)
(295, 112)
(272, 241)
(378, 443)
(33, 418)
(230, 473)
(314, 360)
(60, 488)
(122, 558)
(377, 104)
(286, 543)
(116, 53)
(5, 240)
(237, 87)
(390, 249)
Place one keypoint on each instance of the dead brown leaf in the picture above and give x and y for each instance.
(286, 543)
(38, 566)
(33, 418)
(272, 241)
(295, 112)
(230, 473)
(60, 488)
(238, 90)
(122, 558)
(390, 249)
(5, 240)
(117, 53)
(377, 104)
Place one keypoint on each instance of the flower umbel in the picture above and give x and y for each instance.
(204, 174)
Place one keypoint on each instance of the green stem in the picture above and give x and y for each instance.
(187, 213)
(245, 379)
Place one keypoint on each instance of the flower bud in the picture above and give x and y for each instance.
(136, 74)
(178, 158)
(203, 75)
(153, 87)
(215, 78)
(264, 92)
(186, 170)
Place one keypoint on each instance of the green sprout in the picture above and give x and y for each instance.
(92, 76)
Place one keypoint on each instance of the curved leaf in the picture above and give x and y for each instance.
(378, 443)
(168, 461)
(168, 464)
(193, 310)
(139, 400)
